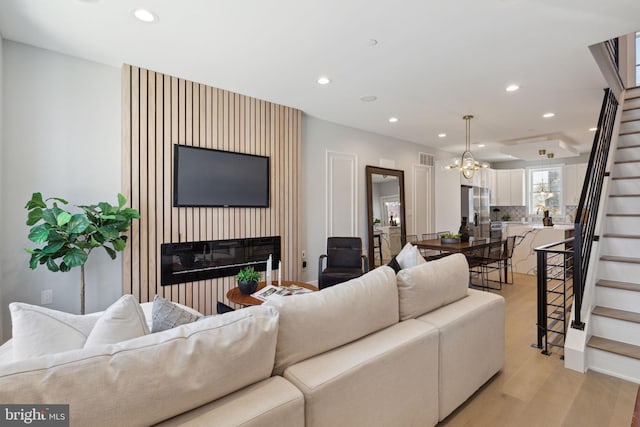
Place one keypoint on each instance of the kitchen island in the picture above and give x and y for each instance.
(531, 236)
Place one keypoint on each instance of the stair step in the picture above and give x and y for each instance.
(628, 146)
(620, 259)
(617, 347)
(624, 195)
(631, 132)
(626, 215)
(629, 120)
(619, 285)
(615, 178)
(622, 236)
(620, 162)
(614, 313)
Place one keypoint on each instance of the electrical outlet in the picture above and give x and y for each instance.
(46, 297)
(304, 255)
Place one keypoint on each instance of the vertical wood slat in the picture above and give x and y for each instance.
(160, 111)
(126, 167)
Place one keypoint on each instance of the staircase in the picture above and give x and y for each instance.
(614, 346)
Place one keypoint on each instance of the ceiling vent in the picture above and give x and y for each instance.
(425, 159)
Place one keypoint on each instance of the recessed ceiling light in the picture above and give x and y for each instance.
(547, 115)
(393, 119)
(593, 129)
(372, 42)
(368, 98)
(323, 81)
(481, 145)
(442, 135)
(512, 88)
(145, 15)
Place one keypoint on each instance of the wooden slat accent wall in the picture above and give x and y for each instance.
(160, 111)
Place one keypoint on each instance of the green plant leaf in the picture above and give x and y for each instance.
(51, 265)
(130, 213)
(34, 216)
(106, 208)
(55, 236)
(107, 217)
(110, 251)
(35, 202)
(119, 245)
(78, 224)
(109, 232)
(63, 218)
(64, 267)
(53, 247)
(74, 258)
(49, 216)
(58, 199)
(121, 201)
(39, 233)
(33, 262)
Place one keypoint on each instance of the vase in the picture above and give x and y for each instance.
(464, 230)
(247, 287)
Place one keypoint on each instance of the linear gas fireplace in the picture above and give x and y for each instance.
(193, 261)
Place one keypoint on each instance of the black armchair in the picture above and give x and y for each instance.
(345, 261)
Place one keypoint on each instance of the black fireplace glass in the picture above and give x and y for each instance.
(193, 261)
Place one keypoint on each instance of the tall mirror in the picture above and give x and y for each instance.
(385, 214)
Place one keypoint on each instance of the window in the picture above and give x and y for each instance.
(545, 190)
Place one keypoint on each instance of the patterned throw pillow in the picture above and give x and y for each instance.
(166, 315)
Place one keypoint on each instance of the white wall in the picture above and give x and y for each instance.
(62, 137)
(2, 310)
(318, 137)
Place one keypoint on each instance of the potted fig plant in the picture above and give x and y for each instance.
(248, 280)
(68, 238)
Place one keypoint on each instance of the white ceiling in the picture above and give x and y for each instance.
(434, 61)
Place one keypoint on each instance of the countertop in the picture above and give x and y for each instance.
(560, 226)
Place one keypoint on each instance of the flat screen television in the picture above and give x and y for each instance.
(203, 177)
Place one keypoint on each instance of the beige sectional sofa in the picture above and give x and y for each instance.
(380, 350)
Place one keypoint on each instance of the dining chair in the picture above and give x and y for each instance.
(476, 258)
(431, 254)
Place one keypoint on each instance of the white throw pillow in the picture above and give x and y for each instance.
(426, 287)
(122, 321)
(38, 330)
(409, 256)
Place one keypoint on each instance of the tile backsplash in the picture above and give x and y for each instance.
(515, 213)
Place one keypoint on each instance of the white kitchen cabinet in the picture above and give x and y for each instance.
(509, 187)
(573, 178)
(517, 180)
(490, 183)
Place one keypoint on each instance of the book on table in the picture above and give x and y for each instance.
(271, 291)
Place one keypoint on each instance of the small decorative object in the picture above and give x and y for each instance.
(69, 238)
(450, 238)
(248, 280)
(464, 230)
(547, 221)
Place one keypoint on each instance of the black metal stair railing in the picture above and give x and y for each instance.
(555, 293)
(586, 214)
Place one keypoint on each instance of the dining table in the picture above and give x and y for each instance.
(458, 247)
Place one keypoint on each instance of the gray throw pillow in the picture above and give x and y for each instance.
(166, 315)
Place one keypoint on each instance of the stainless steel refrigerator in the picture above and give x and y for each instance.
(474, 202)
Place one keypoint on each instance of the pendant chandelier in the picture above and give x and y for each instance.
(467, 164)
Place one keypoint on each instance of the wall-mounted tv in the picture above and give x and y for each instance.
(204, 177)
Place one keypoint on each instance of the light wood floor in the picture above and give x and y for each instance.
(536, 390)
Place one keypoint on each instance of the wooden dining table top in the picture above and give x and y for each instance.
(461, 247)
